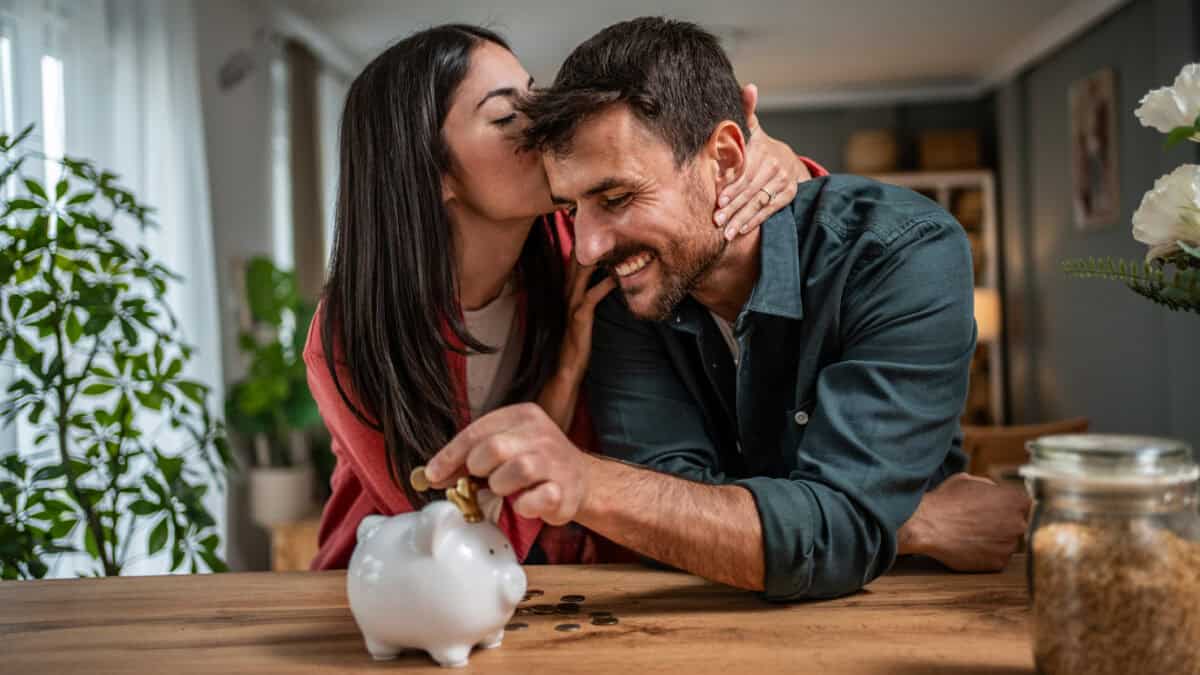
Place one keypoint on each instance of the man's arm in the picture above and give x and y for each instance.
(709, 530)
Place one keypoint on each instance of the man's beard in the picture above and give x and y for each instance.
(687, 266)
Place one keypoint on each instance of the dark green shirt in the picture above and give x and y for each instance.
(844, 407)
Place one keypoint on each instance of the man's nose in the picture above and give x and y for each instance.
(592, 240)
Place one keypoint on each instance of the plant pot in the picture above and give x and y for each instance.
(281, 494)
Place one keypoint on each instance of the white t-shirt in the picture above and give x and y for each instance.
(488, 375)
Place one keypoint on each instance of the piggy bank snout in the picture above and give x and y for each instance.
(512, 584)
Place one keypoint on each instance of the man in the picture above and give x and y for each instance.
(780, 403)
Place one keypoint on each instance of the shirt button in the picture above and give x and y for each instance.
(801, 418)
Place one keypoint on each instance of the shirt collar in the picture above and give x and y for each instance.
(778, 289)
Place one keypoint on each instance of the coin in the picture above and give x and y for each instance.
(516, 625)
(597, 614)
(567, 608)
(533, 593)
(567, 627)
(573, 598)
(524, 611)
(543, 609)
(605, 621)
(419, 482)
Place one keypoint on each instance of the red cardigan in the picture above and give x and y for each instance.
(361, 484)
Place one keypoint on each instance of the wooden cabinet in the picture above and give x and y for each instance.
(971, 197)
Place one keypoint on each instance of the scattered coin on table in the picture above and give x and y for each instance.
(534, 593)
(567, 608)
(516, 625)
(573, 598)
(601, 613)
(567, 627)
(605, 621)
(543, 609)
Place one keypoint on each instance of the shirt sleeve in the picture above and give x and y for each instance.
(884, 417)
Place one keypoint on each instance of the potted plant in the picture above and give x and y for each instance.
(124, 448)
(1168, 218)
(271, 407)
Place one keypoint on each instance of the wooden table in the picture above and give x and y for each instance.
(910, 622)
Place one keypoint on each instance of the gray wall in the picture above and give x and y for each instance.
(237, 137)
(822, 134)
(1090, 347)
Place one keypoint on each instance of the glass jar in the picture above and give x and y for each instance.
(1114, 555)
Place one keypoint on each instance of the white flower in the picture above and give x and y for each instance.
(1176, 106)
(1170, 213)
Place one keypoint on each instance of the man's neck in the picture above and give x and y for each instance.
(487, 253)
(727, 286)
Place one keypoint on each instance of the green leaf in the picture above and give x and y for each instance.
(60, 189)
(89, 544)
(1179, 135)
(213, 561)
(158, 537)
(210, 542)
(63, 527)
(15, 304)
(50, 472)
(35, 187)
(129, 332)
(98, 389)
(142, 507)
(80, 198)
(74, 327)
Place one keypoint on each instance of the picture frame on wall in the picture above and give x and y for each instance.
(1095, 177)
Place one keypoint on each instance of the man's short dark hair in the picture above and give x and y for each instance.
(672, 74)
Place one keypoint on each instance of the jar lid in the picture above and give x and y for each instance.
(1111, 459)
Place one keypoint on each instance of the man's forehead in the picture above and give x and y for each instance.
(612, 144)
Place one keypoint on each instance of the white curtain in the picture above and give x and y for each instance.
(130, 100)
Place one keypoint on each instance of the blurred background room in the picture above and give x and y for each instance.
(222, 116)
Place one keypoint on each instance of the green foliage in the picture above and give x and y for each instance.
(1181, 134)
(1176, 288)
(273, 398)
(99, 365)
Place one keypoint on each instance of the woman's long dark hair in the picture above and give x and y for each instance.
(392, 293)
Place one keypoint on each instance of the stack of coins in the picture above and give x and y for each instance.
(462, 495)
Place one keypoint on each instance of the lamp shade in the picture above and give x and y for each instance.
(987, 314)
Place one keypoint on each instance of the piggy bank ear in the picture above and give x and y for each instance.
(442, 519)
(368, 526)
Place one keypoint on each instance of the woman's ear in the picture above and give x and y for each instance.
(727, 147)
(449, 188)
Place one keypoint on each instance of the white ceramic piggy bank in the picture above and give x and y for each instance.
(430, 580)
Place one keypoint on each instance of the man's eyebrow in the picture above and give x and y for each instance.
(604, 185)
(502, 91)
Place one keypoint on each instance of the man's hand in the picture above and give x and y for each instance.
(968, 524)
(519, 449)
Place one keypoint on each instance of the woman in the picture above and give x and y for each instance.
(450, 290)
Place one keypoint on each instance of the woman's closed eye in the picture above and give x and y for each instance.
(505, 121)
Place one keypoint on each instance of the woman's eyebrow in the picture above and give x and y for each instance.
(502, 91)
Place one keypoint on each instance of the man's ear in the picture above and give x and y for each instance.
(727, 148)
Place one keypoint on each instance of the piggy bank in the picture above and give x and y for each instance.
(430, 580)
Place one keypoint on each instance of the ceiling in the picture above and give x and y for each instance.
(801, 53)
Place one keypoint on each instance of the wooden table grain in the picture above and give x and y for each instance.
(909, 622)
